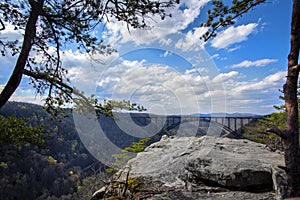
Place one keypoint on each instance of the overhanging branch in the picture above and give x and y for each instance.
(59, 84)
(46, 77)
(212, 33)
(277, 132)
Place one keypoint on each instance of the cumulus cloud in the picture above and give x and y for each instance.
(264, 90)
(233, 35)
(196, 70)
(188, 43)
(225, 76)
(10, 33)
(155, 85)
(256, 96)
(85, 70)
(271, 82)
(257, 63)
(182, 15)
(25, 94)
(167, 88)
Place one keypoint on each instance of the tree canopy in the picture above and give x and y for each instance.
(51, 26)
(15, 132)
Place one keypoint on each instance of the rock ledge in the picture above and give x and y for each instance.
(200, 168)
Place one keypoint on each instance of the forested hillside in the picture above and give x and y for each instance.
(61, 167)
(49, 171)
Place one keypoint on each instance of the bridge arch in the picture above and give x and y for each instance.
(204, 124)
(229, 126)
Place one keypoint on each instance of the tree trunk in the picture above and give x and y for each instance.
(291, 138)
(30, 32)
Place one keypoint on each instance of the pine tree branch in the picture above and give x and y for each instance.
(2, 25)
(212, 33)
(61, 85)
(69, 91)
(46, 77)
(277, 132)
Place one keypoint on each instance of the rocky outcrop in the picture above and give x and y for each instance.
(201, 168)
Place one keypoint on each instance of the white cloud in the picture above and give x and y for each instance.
(167, 90)
(234, 49)
(257, 63)
(254, 96)
(233, 35)
(161, 29)
(196, 70)
(273, 81)
(215, 56)
(10, 34)
(24, 94)
(225, 76)
(192, 40)
(85, 71)
(184, 92)
(158, 85)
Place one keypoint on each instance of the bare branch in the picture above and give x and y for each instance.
(126, 183)
(2, 25)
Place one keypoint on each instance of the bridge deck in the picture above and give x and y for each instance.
(230, 124)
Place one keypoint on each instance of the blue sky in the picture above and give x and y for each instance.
(169, 70)
(269, 40)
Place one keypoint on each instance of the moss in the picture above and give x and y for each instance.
(112, 170)
(194, 181)
(133, 184)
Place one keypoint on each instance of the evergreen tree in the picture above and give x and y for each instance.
(15, 133)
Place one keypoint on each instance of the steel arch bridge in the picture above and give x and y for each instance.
(229, 125)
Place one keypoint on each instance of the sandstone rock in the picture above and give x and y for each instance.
(205, 168)
(178, 195)
(233, 163)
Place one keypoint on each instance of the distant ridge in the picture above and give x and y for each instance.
(221, 114)
(227, 115)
